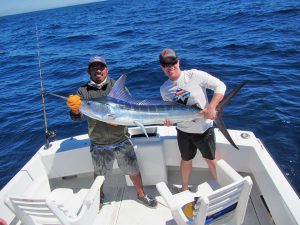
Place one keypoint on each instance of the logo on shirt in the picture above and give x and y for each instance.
(181, 96)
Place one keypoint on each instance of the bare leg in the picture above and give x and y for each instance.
(185, 168)
(212, 165)
(138, 184)
(144, 199)
(101, 191)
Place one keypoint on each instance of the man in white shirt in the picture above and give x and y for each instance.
(188, 87)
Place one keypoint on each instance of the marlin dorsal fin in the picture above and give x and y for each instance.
(119, 91)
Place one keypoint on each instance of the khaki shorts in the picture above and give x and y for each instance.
(103, 157)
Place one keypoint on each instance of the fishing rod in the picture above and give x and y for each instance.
(48, 134)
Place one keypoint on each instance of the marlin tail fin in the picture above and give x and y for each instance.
(220, 109)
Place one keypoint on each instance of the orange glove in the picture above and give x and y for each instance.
(74, 102)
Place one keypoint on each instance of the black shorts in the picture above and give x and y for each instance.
(189, 142)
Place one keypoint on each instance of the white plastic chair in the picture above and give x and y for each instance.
(226, 205)
(61, 207)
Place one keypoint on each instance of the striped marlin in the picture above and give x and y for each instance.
(119, 107)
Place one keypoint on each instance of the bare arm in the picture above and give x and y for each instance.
(210, 112)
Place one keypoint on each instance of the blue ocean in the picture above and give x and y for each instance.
(258, 41)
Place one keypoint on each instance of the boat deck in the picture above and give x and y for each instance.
(121, 208)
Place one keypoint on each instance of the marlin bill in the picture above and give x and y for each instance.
(119, 107)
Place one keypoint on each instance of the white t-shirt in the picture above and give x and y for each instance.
(190, 89)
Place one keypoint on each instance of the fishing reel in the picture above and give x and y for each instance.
(50, 134)
(49, 137)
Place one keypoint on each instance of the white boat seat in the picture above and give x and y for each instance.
(225, 205)
(31, 211)
(62, 206)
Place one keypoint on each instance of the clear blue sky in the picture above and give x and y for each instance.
(9, 7)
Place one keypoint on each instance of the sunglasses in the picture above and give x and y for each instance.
(168, 64)
(98, 66)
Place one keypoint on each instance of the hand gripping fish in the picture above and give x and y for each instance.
(119, 107)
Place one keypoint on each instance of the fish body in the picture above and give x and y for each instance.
(111, 110)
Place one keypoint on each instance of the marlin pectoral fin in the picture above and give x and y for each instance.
(142, 127)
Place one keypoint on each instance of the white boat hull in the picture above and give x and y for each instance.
(68, 163)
